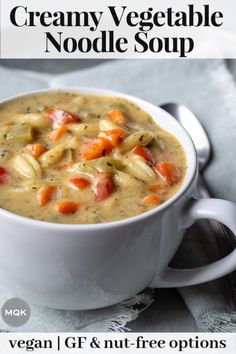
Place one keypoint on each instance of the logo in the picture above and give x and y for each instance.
(15, 312)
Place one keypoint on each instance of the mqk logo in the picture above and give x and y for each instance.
(15, 312)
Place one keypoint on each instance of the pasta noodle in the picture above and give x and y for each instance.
(139, 138)
(105, 124)
(52, 156)
(25, 167)
(67, 157)
(140, 169)
(127, 181)
(81, 130)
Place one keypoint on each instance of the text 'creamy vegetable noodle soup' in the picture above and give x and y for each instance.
(81, 159)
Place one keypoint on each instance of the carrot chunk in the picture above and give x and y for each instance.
(145, 153)
(151, 199)
(36, 149)
(156, 187)
(103, 186)
(68, 207)
(95, 149)
(61, 117)
(79, 183)
(45, 195)
(3, 176)
(169, 172)
(114, 136)
(57, 133)
(117, 116)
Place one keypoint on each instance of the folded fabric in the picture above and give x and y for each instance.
(109, 319)
(208, 89)
(212, 304)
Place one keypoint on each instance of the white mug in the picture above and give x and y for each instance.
(79, 267)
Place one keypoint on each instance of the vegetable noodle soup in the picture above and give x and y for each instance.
(83, 159)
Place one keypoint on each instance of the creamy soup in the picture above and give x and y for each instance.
(75, 158)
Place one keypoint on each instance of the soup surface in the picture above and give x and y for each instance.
(84, 159)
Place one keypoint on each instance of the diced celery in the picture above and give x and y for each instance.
(20, 132)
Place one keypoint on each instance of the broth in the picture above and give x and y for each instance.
(83, 159)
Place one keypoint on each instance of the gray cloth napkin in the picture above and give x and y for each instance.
(212, 304)
(208, 89)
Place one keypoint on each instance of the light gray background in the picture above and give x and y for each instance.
(59, 66)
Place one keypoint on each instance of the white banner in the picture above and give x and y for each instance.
(200, 343)
(118, 29)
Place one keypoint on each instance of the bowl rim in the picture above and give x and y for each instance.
(188, 179)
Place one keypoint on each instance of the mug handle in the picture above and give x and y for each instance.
(217, 209)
